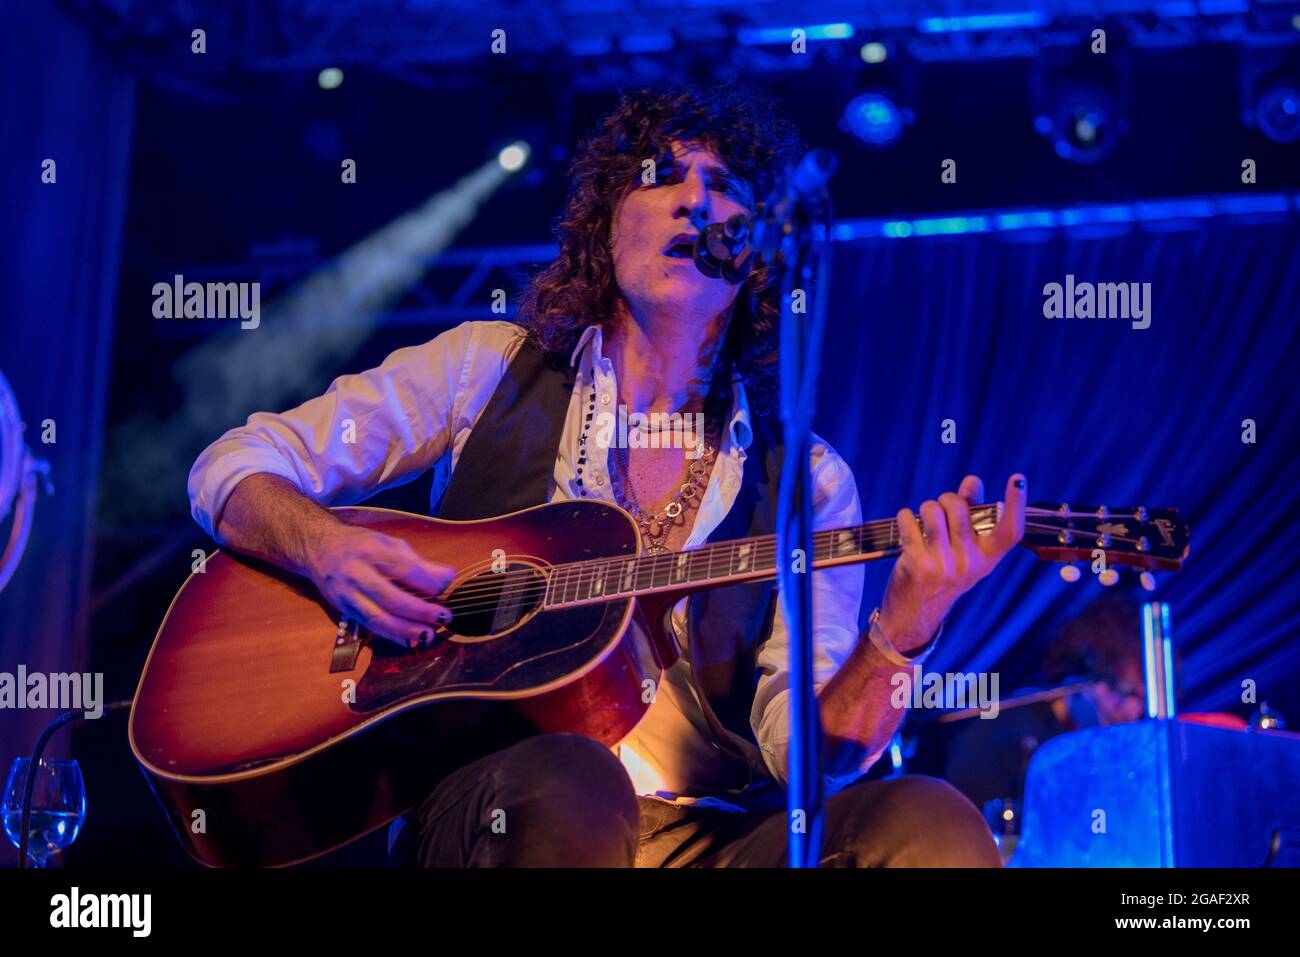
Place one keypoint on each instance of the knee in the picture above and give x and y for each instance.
(570, 767)
(913, 821)
(556, 800)
(567, 783)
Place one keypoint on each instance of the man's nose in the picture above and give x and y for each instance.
(696, 202)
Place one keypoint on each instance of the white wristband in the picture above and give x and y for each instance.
(880, 641)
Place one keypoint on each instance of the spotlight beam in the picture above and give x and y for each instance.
(304, 334)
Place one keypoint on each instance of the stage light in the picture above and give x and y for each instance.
(874, 52)
(761, 36)
(982, 21)
(875, 119)
(1278, 113)
(1083, 124)
(1268, 92)
(513, 157)
(330, 78)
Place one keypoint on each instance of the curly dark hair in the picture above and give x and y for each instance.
(1103, 641)
(747, 132)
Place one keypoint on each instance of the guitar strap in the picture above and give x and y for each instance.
(507, 464)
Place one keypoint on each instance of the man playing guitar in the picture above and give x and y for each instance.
(625, 314)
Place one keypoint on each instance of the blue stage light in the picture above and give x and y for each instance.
(951, 225)
(1104, 219)
(1083, 123)
(874, 119)
(1035, 219)
(760, 36)
(1278, 113)
(982, 21)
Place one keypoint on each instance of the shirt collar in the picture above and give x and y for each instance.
(591, 332)
(742, 433)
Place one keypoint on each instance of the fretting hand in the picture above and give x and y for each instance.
(938, 567)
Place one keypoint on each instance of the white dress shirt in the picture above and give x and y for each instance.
(415, 411)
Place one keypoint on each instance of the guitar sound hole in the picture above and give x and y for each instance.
(495, 601)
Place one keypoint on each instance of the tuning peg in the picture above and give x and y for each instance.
(1070, 573)
(1108, 577)
(1148, 581)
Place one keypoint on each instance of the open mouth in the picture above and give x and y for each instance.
(681, 250)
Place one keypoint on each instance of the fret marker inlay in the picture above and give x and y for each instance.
(743, 555)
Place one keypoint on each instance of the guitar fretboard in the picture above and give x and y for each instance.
(745, 559)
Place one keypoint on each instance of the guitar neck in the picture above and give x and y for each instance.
(725, 563)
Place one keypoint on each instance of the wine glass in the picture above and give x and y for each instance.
(58, 806)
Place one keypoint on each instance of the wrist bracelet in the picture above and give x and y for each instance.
(880, 641)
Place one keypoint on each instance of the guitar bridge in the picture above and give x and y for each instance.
(347, 646)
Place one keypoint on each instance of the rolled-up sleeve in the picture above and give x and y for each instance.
(368, 432)
(837, 601)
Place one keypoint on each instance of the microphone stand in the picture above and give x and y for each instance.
(782, 235)
(800, 345)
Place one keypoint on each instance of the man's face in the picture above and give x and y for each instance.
(1121, 700)
(654, 223)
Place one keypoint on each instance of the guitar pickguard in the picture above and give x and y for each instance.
(545, 650)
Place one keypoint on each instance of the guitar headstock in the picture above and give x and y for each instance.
(1154, 539)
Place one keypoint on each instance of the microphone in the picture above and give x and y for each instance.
(722, 251)
(730, 249)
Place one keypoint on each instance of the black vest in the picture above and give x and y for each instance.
(522, 425)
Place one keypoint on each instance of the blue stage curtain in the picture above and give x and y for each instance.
(1092, 411)
(61, 98)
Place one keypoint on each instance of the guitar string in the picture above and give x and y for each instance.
(617, 568)
(1080, 531)
(669, 557)
(540, 587)
(539, 580)
(654, 564)
(657, 562)
(764, 555)
(537, 591)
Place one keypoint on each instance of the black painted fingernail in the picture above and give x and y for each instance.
(1019, 483)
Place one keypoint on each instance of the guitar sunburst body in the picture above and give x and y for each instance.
(292, 738)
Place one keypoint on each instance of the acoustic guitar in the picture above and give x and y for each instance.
(273, 731)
